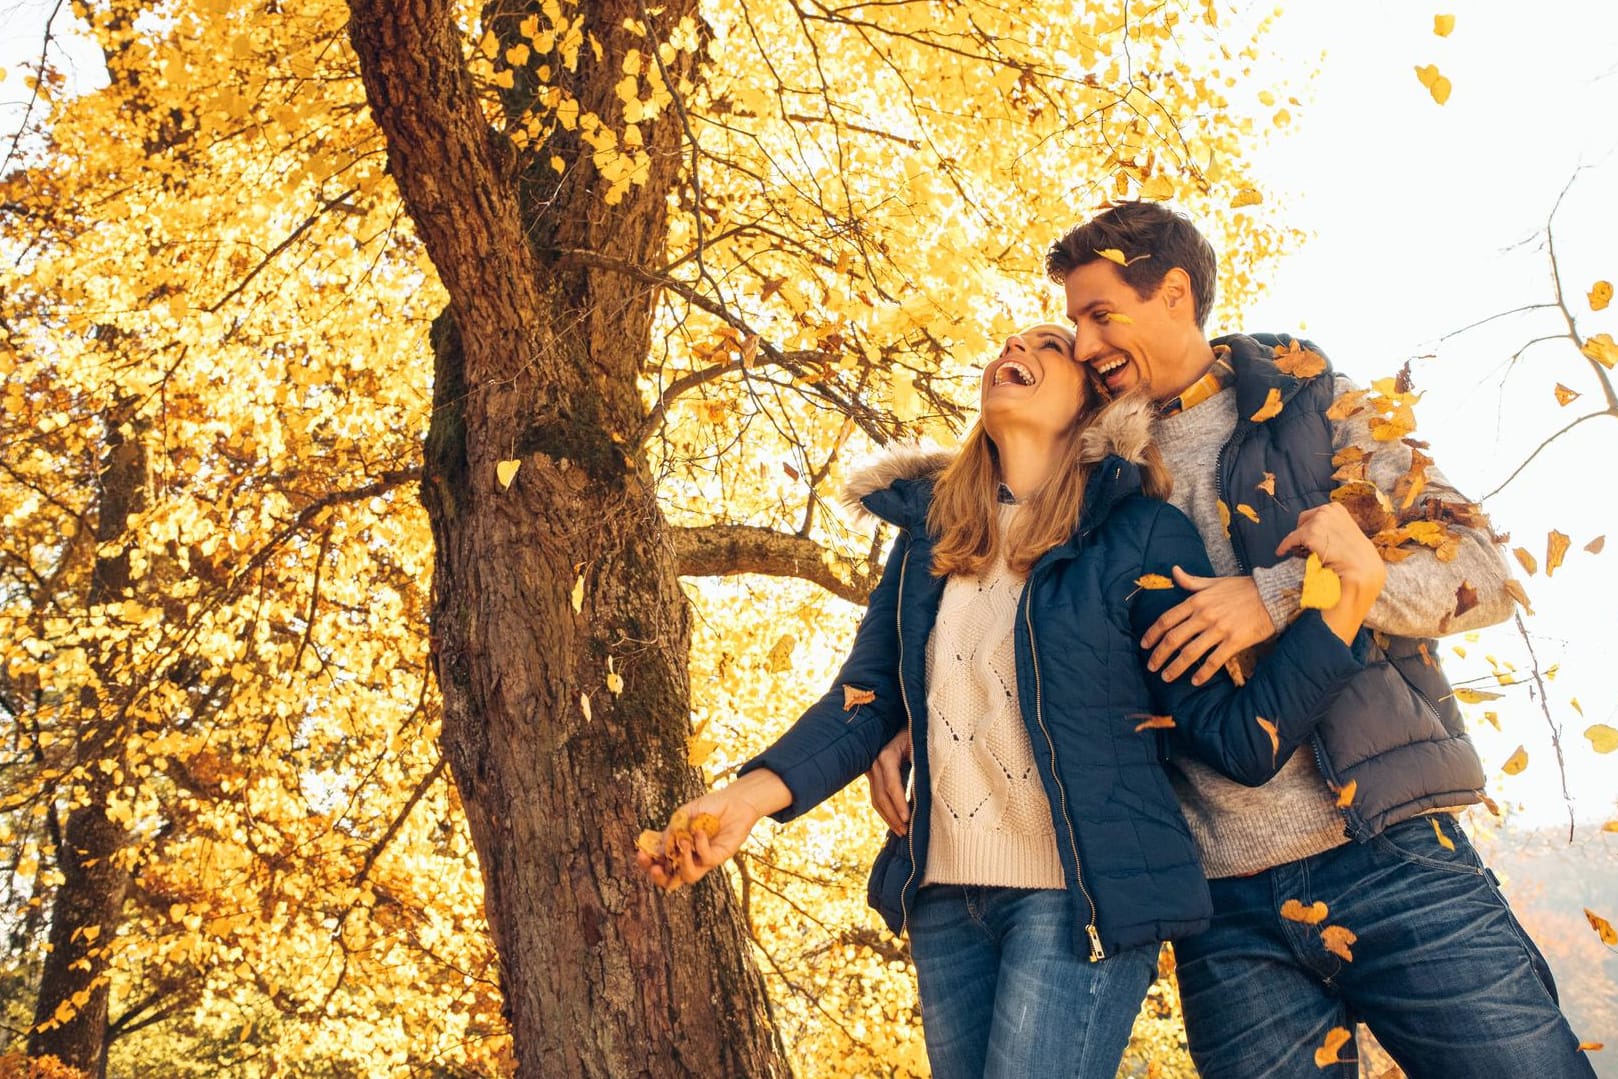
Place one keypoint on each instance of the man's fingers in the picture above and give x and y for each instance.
(1190, 655)
(1175, 639)
(1165, 622)
(1190, 581)
(1214, 663)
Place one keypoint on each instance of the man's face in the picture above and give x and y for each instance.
(1128, 341)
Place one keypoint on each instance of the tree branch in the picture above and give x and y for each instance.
(724, 549)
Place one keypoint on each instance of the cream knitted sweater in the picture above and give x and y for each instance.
(991, 822)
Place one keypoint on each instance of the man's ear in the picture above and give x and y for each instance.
(1175, 292)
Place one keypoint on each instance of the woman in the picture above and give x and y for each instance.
(1047, 857)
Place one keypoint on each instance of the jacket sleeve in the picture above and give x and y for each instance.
(1220, 723)
(1418, 599)
(834, 741)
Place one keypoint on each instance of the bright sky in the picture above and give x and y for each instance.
(1428, 219)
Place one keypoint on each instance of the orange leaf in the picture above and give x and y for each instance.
(1528, 561)
(1565, 396)
(1595, 545)
(1224, 517)
(1270, 407)
(1338, 941)
(1345, 793)
(1443, 840)
(1336, 1038)
(1313, 914)
(1299, 362)
(1516, 762)
(854, 696)
(1349, 404)
(1153, 723)
(1592, 1047)
(1154, 581)
(1247, 511)
(1275, 737)
(1600, 295)
(1517, 593)
(1267, 484)
(1603, 928)
(1247, 196)
(1556, 545)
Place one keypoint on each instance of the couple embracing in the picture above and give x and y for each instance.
(1069, 769)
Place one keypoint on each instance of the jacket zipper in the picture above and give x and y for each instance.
(1097, 953)
(910, 725)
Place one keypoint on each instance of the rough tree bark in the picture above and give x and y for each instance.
(536, 361)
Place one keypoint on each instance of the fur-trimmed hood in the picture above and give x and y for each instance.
(1123, 429)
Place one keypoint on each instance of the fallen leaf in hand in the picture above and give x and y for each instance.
(1322, 588)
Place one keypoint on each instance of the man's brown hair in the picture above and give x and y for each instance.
(1152, 239)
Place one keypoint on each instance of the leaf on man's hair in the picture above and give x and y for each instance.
(1112, 254)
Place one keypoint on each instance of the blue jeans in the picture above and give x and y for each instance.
(1005, 996)
(1442, 972)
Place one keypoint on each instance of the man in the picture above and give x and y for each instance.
(1342, 890)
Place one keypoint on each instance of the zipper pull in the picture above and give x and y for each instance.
(1097, 952)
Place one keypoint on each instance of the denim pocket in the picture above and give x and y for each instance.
(1416, 841)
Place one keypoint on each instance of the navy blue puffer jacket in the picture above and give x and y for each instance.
(1130, 863)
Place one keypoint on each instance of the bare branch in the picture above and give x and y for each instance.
(1556, 729)
(722, 550)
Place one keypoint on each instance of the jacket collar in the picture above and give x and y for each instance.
(1253, 357)
(897, 485)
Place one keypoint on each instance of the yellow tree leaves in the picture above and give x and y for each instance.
(506, 471)
(1603, 738)
(1322, 588)
(1437, 85)
(1443, 24)
(1516, 762)
(1112, 254)
(1602, 349)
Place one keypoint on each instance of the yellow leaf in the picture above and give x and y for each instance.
(1603, 928)
(1475, 696)
(584, 706)
(1556, 545)
(698, 750)
(504, 79)
(1275, 738)
(615, 681)
(506, 471)
(1427, 75)
(1322, 588)
(578, 594)
(1493, 719)
(1516, 762)
(1267, 484)
(1517, 593)
(1157, 189)
(1443, 840)
(1610, 826)
(1565, 396)
(1440, 89)
(1313, 914)
(1600, 295)
(518, 55)
(1528, 561)
(1338, 941)
(1602, 349)
(1592, 1047)
(1112, 254)
(1575, 703)
(1270, 407)
(1247, 196)
(1603, 739)
(1443, 24)
(1154, 723)
(1345, 794)
(1326, 1054)
(1247, 511)
(1153, 581)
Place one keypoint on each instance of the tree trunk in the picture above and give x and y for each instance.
(536, 362)
(70, 1013)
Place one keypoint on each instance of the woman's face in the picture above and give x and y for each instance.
(1034, 383)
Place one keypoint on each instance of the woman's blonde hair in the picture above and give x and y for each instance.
(965, 512)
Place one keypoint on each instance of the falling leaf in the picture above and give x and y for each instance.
(1313, 914)
(1493, 719)
(1322, 588)
(1575, 703)
(1345, 793)
(1336, 1038)
(1247, 511)
(1299, 362)
(1516, 762)
(1338, 941)
(1443, 24)
(1565, 396)
(1528, 562)
(1275, 737)
(584, 704)
(1475, 696)
(1247, 196)
(780, 657)
(1603, 739)
(1154, 723)
(1600, 295)
(854, 696)
(1443, 840)
(1610, 826)
(1267, 484)
(1153, 581)
(1427, 75)
(698, 750)
(1271, 406)
(615, 681)
(1602, 349)
(1489, 803)
(1603, 928)
(1556, 545)
(1595, 545)
(1440, 89)
(1592, 1047)
(1515, 590)
(506, 471)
